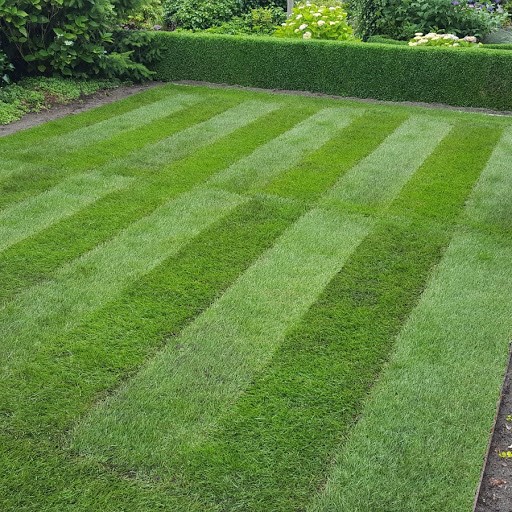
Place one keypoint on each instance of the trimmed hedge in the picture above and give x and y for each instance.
(462, 77)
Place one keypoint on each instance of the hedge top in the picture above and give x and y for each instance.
(470, 77)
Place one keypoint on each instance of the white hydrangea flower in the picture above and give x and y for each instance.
(418, 34)
(332, 23)
(470, 39)
(296, 30)
(298, 17)
(332, 9)
(321, 23)
(68, 43)
(303, 26)
(316, 14)
(307, 35)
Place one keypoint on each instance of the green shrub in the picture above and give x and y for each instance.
(247, 5)
(6, 69)
(148, 15)
(400, 19)
(68, 37)
(259, 21)
(199, 14)
(467, 77)
(312, 21)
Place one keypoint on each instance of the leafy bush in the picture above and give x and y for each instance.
(148, 15)
(401, 20)
(5, 68)
(381, 71)
(36, 94)
(137, 44)
(446, 40)
(259, 21)
(247, 5)
(311, 21)
(199, 14)
(68, 37)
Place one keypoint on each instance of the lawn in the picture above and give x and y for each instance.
(223, 300)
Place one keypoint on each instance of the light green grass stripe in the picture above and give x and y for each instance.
(115, 125)
(379, 177)
(491, 202)
(89, 282)
(257, 169)
(37, 213)
(179, 395)
(423, 434)
(159, 155)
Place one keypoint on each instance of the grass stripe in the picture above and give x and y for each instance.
(285, 151)
(319, 170)
(60, 165)
(159, 155)
(106, 129)
(114, 212)
(40, 133)
(270, 452)
(490, 205)
(214, 359)
(380, 176)
(72, 366)
(91, 281)
(446, 370)
(37, 213)
(426, 425)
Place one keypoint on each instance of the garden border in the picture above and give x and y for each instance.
(462, 77)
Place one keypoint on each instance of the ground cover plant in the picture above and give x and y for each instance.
(222, 300)
(36, 94)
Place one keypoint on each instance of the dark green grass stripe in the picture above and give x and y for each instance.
(55, 167)
(35, 259)
(59, 380)
(272, 450)
(320, 170)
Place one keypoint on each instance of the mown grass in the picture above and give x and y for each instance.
(201, 291)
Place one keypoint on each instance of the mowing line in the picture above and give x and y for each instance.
(115, 339)
(158, 156)
(37, 213)
(24, 185)
(285, 151)
(114, 212)
(17, 142)
(426, 425)
(380, 176)
(490, 204)
(10, 167)
(91, 281)
(232, 340)
(270, 452)
(189, 387)
(320, 169)
(108, 128)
